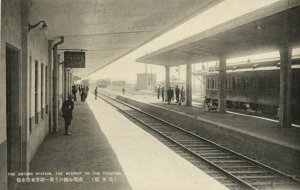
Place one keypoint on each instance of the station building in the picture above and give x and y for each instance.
(26, 82)
(146, 81)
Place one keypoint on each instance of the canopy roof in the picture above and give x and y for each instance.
(260, 31)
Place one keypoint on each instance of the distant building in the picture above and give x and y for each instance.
(146, 81)
(118, 83)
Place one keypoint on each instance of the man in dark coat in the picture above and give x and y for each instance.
(163, 93)
(96, 93)
(67, 109)
(74, 92)
(158, 92)
(169, 95)
(177, 92)
(83, 95)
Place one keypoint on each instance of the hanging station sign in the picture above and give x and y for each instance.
(74, 59)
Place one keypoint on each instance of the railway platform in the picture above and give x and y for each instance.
(258, 138)
(127, 157)
(86, 150)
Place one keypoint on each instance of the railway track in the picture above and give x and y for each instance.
(232, 169)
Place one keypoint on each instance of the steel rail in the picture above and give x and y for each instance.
(220, 169)
(227, 174)
(219, 146)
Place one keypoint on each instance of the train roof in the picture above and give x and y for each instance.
(261, 65)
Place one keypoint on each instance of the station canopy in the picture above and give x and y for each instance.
(110, 29)
(263, 30)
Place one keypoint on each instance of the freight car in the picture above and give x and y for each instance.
(255, 86)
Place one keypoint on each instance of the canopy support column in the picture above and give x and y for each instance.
(285, 119)
(222, 85)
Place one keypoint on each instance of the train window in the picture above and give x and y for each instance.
(233, 83)
(253, 84)
(227, 83)
(261, 83)
(249, 83)
(207, 83)
(243, 84)
(268, 83)
(215, 83)
(237, 83)
(246, 83)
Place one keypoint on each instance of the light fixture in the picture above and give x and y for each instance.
(35, 25)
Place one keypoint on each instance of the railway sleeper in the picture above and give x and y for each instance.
(276, 186)
(239, 168)
(266, 180)
(230, 161)
(235, 164)
(261, 177)
(220, 158)
(188, 141)
(198, 145)
(250, 172)
(202, 149)
(183, 137)
(205, 152)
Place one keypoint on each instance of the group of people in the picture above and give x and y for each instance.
(83, 92)
(68, 105)
(179, 94)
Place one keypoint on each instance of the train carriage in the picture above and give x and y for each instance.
(255, 86)
(102, 83)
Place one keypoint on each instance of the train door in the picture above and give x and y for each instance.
(12, 109)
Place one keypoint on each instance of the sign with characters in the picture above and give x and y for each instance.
(74, 59)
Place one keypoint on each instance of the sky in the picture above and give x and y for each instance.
(126, 67)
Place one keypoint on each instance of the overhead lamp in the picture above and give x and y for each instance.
(35, 25)
(258, 27)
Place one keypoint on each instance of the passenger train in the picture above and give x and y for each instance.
(102, 83)
(255, 86)
(118, 83)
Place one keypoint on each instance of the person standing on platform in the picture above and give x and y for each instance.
(123, 90)
(80, 89)
(182, 94)
(87, 90)
(74, 92)
(177, 92)
(67, 109)
(83, 96)
(96, 93)
(173, 93)
(158, 92)
(163, 93)
(169, 94)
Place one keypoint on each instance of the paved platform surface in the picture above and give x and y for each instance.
(147, 163)
(87, 150)
(251, 125)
